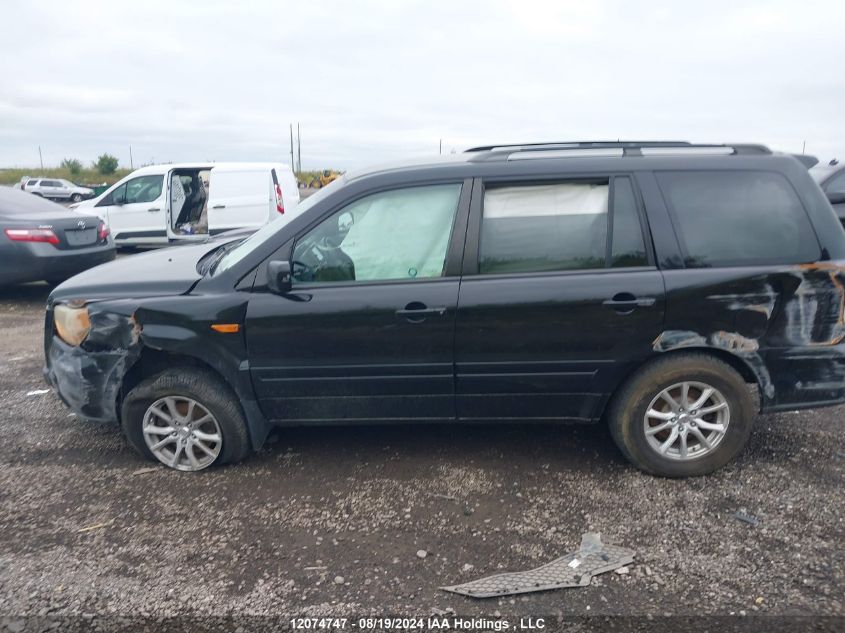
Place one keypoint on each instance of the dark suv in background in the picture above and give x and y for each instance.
(645, 285)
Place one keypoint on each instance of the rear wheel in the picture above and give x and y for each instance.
(186, 418)
(684, 415)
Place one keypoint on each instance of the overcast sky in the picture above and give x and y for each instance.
(373, 81)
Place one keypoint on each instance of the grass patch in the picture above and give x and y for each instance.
(84, 177)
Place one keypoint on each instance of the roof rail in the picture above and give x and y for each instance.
(610, 148)
(577, 145)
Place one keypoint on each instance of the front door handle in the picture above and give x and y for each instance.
(153, 209)
(219, 206)
(625, 302)
(416, 312)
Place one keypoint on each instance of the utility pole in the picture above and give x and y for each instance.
(40, 159)
(292, 163)
(131, 163)
(804, 147)
(440, 149)
(298, 149)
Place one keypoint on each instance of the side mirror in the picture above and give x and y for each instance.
(836, 197)
(279, 277)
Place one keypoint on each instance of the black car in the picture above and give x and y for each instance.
(41, 240)
(649, 286)
(831, 178)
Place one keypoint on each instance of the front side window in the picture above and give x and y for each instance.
(118, 196)
(143, 189)
(401, 234)
(735, 218)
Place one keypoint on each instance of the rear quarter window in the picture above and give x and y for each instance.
(735, 218)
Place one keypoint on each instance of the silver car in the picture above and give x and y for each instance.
(57, 189)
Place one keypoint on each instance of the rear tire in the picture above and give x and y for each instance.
(186, 384)
(643, 423)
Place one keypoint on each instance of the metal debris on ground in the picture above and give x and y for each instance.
(96, 526)
(594, 557)
(750, 519)
(37, 392)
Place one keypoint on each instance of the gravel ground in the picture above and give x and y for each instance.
(329, 521)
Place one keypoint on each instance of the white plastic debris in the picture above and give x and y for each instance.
(37, 392)
(594, 557)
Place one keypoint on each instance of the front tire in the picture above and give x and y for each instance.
(682, 416)
(186, 418)
(76, 197)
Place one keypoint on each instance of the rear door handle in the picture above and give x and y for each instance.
(416, 311)
(625, 302)
(219, 206)
(153, 209)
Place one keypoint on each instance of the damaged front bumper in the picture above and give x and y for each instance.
(87, 382)
(88, 377)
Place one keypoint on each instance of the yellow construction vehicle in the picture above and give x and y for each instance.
(324, 178)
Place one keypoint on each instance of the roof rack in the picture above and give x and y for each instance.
(575, 149)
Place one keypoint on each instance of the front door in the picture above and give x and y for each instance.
(559, 300)
(367, 332)
(135, 211)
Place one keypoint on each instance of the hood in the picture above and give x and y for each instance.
(86, 204)
(168, 271)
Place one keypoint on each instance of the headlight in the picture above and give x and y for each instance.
(72, 324)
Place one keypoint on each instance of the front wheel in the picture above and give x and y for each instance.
(76, 197)
(681, 416)
(187, 419)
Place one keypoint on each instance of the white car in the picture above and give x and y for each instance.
(163, 204)
(57, 189)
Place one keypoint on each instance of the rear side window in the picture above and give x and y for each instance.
(734, 218)
(560, 226)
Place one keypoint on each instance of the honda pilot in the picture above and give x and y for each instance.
(668, 290)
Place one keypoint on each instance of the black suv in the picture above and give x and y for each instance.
(651, 286)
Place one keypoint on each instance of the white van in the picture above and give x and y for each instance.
(163, 204)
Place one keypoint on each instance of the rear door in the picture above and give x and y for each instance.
(285, 183)
(560, 298)
(239, 198)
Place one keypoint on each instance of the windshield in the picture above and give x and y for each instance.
(267, 231)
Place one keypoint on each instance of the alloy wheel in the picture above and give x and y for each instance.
(686, 420)
(182, 433)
